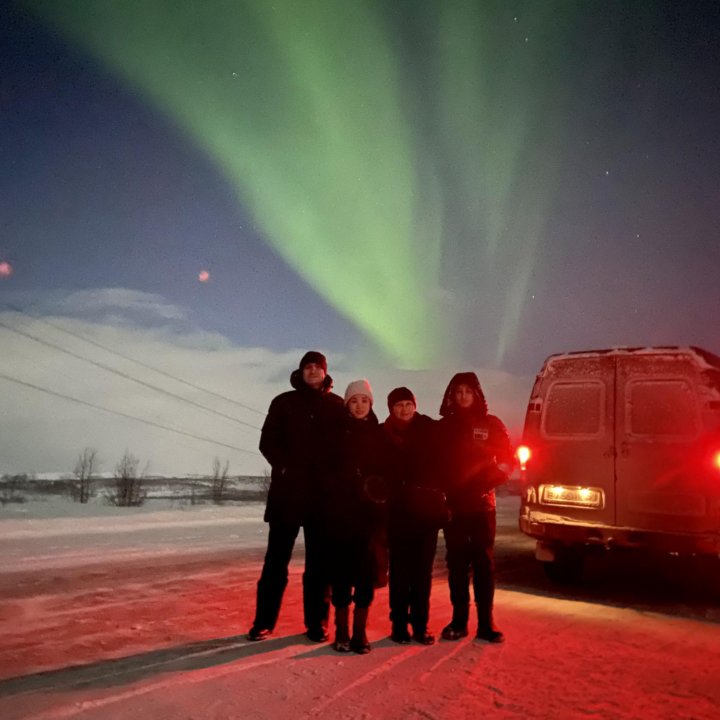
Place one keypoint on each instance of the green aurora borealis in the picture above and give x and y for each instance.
(400, 156)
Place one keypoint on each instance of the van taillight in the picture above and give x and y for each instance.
(523, 455)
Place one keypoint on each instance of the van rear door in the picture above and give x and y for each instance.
(577, 437)
(658, 431)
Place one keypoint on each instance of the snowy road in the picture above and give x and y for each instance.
(147, 619)
(53, 543)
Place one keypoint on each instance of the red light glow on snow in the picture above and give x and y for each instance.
(5, 269)
(203, 276)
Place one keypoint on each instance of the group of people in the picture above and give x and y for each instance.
(371, 498)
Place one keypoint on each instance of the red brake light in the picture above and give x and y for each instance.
(523, 455)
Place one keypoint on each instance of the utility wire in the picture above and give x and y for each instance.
(124, 415)
(138, 362)
(124, 375)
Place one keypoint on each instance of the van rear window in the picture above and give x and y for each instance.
(574, 408)
(661, 408)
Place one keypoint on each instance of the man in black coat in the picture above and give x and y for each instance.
(417, 509)
(296, 440)
(478, 456)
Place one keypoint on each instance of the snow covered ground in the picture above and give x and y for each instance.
(142, 613)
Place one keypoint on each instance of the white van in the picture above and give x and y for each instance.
(621, 447)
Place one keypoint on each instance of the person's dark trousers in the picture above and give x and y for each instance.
(316, 578)
(352, 567)
(469, 540)
(364, 593)
(341, 575)
(412, 552)
(274, 576)
(364, 569)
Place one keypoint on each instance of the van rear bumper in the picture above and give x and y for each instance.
(563, 533)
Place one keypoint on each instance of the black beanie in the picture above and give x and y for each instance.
(313, 356)
(398, 394)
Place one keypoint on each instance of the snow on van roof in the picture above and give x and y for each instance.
(705, 358)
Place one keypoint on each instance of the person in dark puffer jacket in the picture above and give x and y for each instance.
(478, 457)
(417, 510)
(356, 520)
(297, 439)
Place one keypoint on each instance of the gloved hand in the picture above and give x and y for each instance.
(492, 476)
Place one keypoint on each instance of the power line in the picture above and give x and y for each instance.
(138, 362)
(124, 415)
(124, 375)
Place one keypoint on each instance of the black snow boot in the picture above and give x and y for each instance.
(400, 634)
(454, 632)
(359, 642)
(342, 630)
(423, 636)
(487, 630)
(489, 634)
(258, 633)
(458, 626)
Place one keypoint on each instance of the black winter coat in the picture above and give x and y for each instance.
(297, 439)
(351, 511)
(474, 444)
(411, 460)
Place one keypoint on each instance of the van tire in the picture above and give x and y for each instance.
(567, 567)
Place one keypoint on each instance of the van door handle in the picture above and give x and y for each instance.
(624, 449)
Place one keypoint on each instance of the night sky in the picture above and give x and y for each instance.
(407, 185)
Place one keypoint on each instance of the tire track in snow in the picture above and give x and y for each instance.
(460, 646)
(367, 677)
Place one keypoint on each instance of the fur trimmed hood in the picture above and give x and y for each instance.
(447, 407)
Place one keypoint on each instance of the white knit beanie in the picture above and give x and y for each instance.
(358, 387)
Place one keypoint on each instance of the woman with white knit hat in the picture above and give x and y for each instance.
(355, 520)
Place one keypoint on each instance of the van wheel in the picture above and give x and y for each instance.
(567, 566)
